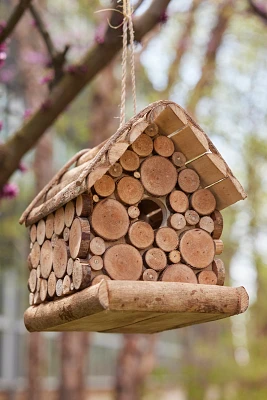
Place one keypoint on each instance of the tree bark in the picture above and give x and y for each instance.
(74, 350)
(135, 362)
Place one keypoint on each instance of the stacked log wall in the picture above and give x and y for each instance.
(151, 217)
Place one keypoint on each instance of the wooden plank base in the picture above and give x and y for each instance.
(137, 307)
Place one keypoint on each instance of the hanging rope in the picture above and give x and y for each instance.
(127, 25)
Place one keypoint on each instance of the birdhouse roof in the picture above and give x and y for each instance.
(89, 165)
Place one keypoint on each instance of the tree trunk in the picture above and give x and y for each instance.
(135, 362)
(74, 350)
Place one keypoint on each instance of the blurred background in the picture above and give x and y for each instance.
(211, 58)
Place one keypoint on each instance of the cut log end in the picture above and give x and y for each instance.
(178, 159)
(179, 201)
(143, 145)
(79, 238)
(188, 180)
(150, 275)
(152, 130)
(156, 259)
(130, 161)
(197, 248)
(163, 146)
(158, 175)
(203, 202)
(178, 273)
(141, 234)
(130, 190)
(167, 239)
(207, 278)
(115, 170)
(110, 219)
(105, 186)
(59, 221)
(97, 246)
(123, 262)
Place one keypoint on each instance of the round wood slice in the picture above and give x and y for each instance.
(79, 239)
(59, 221)
(175, 256)
(35, 254)
(115, 170)
(31, 299)
(43, 289)
(66, 234)
(40, 232)
(96, 263)
(110, 219)
(54, 239)
(150, 275)
(137, 175)
(178, 201)
(38, 271)
(33, 233)
(178, 273)
(60, 258)
(167, 239)
(69, 213)
(66, 284)
(178, 159)
(32, 281)
(105, 186)
(46, 259)
(143, 145)
(207, 278)
(70, 266)
(59, 287)
(158, 175)
(130, 161)
(219, 270)
(141, 234)
(203, 202)
(97, 246)
(197, 248)
(29, 262)
(192, 217)
(218, 224)
(152, 129)
(38, 284)
(81, 275)
(218, 246)
(163, 146)
(188, 180)
(123, 262)
(133, 212)
(97, 279)
(130, 190)
(84, 205)
(49, 226)
(51, 285)
(206, 223)
(37, 298)
(96, 199)
(156, 259)
(177, 221)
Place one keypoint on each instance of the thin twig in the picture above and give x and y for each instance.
(258, 10)
(57, 58)
(14, 19)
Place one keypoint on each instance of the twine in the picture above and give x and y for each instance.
(127, 25)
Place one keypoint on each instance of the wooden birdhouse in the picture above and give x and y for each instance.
(127, 238)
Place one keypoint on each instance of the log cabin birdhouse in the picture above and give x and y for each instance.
(127, 239)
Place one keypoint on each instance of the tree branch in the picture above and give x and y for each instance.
(71, 85)
(58, 59)
(259, 10)
(14, 19)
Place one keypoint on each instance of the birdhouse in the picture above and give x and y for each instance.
(126, 236)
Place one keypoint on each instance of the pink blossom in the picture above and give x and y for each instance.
(9, 191)
(100, 33)
(163, 18)
(46, 79)
(27, 114)
(22, 167)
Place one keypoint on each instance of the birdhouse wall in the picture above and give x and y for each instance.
(152, 216)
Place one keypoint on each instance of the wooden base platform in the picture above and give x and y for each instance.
(137, 307)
